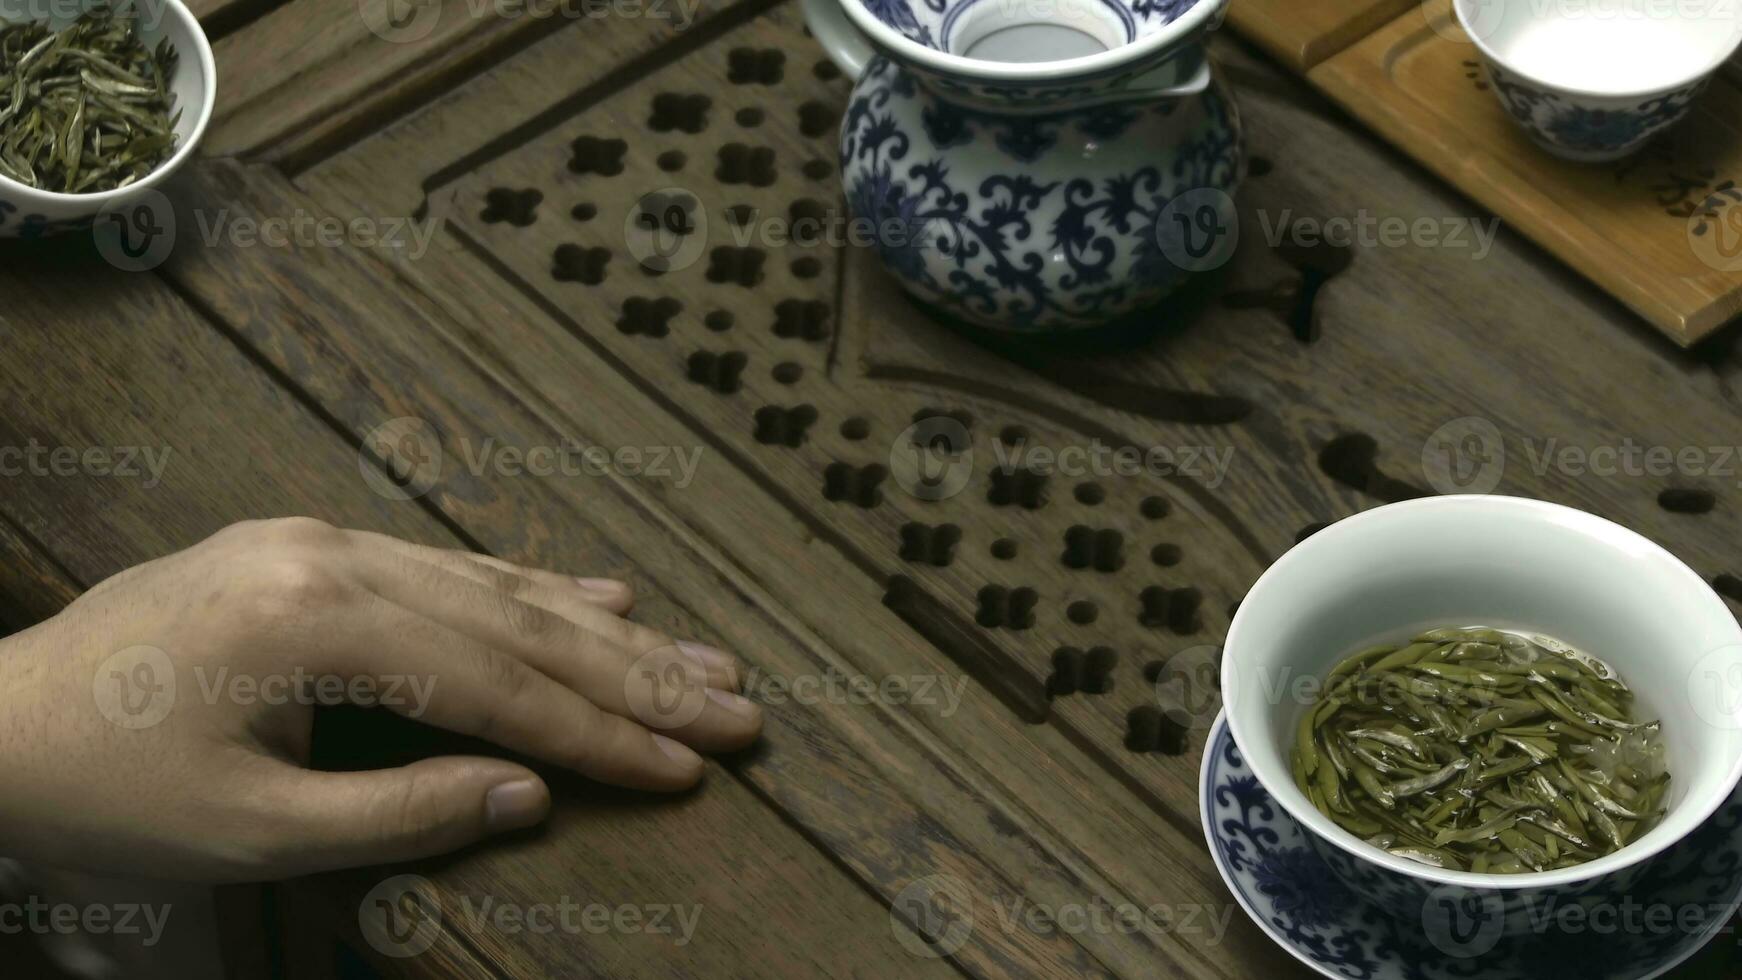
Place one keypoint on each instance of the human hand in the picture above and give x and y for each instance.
(160, 725)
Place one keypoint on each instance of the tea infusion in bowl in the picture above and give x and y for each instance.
(1483, 750)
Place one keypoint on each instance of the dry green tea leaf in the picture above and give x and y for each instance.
(86, 109)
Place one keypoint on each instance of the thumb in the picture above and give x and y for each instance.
(433, 806)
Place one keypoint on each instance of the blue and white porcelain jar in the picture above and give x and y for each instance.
(1036, 165)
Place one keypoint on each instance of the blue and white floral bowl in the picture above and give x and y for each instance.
(1036, 196)
(1595, 80)
(1684, 897)
(1387, 573)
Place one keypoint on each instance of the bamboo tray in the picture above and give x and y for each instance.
(1661, 232)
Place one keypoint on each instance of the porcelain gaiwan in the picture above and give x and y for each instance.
(1036, 165)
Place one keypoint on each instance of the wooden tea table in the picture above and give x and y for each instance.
(481, 300)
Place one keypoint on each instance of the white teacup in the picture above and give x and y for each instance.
(1509, 563)
(1594, 80)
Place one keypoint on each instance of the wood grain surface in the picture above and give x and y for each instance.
(1300, 35)
(1044, 640)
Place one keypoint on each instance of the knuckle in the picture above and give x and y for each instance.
(507, 681)
(287, 532)
(527, 621)
(504, 581)
(302, 530)
(303, 583)
(290, 589)
(411, 813)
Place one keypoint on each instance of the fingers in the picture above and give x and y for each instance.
(347, 819)
(561, 590)
(488, 694)
(626, 669)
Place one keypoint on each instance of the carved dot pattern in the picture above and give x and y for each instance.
(685, 113)
(1077, 671)
(517, 207)
(817, 119)
(741, 164)
(930, 545)
(779, 426)
(1082, 612)
(573, 263)
(1149, 729)
(857, 485)
(731, 264)
(1174, 609)
(1101, 550)
(801, 319)
(1005, 608)
(755, 66)
(644, 317)
(1677, 500)
(720, 372)
(1023, 488)
(594, 155)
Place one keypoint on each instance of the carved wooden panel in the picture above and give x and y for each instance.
(655, 225)
(1326, 371)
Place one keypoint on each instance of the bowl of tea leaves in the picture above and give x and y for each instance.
(1482, 706)
(1485, 750)
(98, 105)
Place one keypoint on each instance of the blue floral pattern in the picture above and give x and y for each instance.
(1284, 882)
(930, 22)
(1006, 221)
(1582, 129)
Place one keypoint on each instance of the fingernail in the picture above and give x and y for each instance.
(601, 585)
(709, 656)
(512, 806)
(677, 752)
(735, 703)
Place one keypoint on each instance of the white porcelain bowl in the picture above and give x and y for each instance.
(1509, 563)
(1594, 80)
(31, 213)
